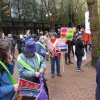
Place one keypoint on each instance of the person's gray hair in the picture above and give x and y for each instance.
(43, 38)
(10, 35)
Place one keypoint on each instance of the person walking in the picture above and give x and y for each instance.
(79, 52)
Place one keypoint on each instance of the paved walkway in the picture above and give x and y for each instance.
(72, 85)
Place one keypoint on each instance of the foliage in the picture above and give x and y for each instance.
(5, 10)
(95, 29)
(70, 12)
(74, 11)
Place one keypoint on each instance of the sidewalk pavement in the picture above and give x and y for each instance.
(72, 85)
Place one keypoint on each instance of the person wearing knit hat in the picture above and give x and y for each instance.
(29, 47)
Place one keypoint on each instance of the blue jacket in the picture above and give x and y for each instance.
(33, 62)
(98, 80)
(6, 88)
(27, 39)
(40, 50)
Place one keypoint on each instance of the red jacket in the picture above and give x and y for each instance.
(54, 49)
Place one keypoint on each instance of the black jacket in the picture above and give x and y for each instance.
(79, 47)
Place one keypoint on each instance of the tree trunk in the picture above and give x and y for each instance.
(95, 29)
(0, 16)
(52, 26)
(0, 24)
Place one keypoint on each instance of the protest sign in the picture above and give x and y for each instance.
(63, 32)
(27, 84)
(70, 33)
(28, 31)
(21, 36)
(50, 47)
(86, 37)
(61, 45)
(29, 90)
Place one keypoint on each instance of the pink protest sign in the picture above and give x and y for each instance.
(63, 32)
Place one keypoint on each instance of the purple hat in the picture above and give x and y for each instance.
(30, 47)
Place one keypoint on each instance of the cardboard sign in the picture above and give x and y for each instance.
(70, 33)
(61, 44)
(28, 90)
(63, 32)
(27, 93)
(28, 31)
(27, 84)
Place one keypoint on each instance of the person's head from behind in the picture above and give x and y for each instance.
(30, 48)
(5, 52)
(10, 35)
(43, 39)
(46, 33)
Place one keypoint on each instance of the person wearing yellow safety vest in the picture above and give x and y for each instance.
(30, 64)
(41, 46)
(8, 86)
(55, 57)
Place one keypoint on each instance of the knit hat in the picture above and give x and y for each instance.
(30, 47)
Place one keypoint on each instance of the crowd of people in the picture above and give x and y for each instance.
(31, 62)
